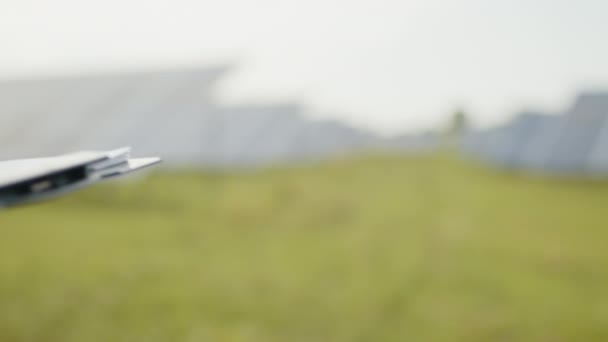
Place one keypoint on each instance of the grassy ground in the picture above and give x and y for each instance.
(375, 249)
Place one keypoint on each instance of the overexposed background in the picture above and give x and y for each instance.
(391, 65)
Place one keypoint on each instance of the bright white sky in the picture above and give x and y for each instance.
(392, 65)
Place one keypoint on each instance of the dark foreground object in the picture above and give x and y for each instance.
(27, 180)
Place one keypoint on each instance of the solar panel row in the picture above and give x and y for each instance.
(173, 114)
(573, 143)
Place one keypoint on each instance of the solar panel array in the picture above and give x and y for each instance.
(570, 143)
(173, 114)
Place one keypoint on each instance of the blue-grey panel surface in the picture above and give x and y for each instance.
(576, 144)
(173, 114)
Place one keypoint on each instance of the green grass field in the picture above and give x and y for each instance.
(372, 249)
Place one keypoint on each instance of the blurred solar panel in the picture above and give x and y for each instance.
(28, 180)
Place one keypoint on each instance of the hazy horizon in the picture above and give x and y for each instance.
(392, 66)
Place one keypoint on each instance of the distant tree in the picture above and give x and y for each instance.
(456, 127)
(458, 124)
